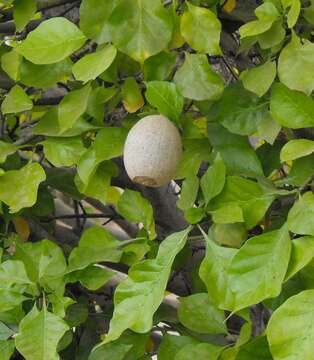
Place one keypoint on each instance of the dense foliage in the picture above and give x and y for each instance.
(218, 264)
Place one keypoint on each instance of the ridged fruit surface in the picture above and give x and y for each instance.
(152, 151)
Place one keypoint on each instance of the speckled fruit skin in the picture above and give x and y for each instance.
(152, 151)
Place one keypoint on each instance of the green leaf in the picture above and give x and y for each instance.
(159, 67)
(92, 277)
(295, 65)
(131, 95)
(96, 245)
(98, 186)
(39, 334)
(235, 150)
(94, 19)
(266, 14)
(198, 314)
(302, 252)
(7, 349)
(195, 151)
(164, 96)
(18, 188)
(259, 79)
(172, 344)
(129, 346)
(232, 235)
(44, 261)
(133, 28)
(189, 193)
(134, 207)
(52, 41)
(238, 110)
(301, 171)
(256, 349)
(72, 106)
(268, 129)
(227, 214)
(291, 108)
(213, 181)
(44, 76)
(201, 29)
(50, 126)
(92, 65)
(139, 296)
(13, 272)
(108, 144)
(23, 12)
(6, 149)
(10, 299)
(196, 80)
(272, 37)
(294, 11)
(290, 332)
(300, 216)
(63, 151)
(258, 269)
(213, 270)
(16, 101)
(5, 332)
(248, 195)
(297, 148)
(10, 63)
(199, 351)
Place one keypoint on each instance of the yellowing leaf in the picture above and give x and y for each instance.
(229, 5)
(132, 97)
(21, 227)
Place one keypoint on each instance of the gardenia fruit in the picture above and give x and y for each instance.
(152, 151)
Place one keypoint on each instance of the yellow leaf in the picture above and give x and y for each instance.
(22, 228)
(229, 5)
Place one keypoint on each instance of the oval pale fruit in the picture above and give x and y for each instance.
(152, 151)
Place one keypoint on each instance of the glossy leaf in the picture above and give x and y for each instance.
(63, 151)
(6, 149)
(63, 39)
(289, 332)
(201, 29)
(291, 108)
(258, 269)
(39, 334)
(295, 149)
(198, 314)
(23, 12)
(92, 65)
(260, 78)
(94, 19)
(301, 215)
(302, 252)
(189, 192)
(134, 207)
(295, 65)
(129, 27)
(138, 297)
(96, 245)
(18, 188)
(266, 14)
(16, 101)
(213, 270)
(196, 80)
(199, 351)
(164, 96)
(72, 106)
(238, 110)
(213, 181)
